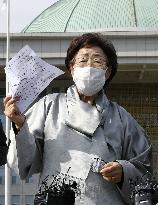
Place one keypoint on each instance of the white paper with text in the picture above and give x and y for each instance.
(28, 75)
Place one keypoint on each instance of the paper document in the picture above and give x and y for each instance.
(28, 75)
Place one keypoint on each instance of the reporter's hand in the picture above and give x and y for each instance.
(112, 172)
(12, 111)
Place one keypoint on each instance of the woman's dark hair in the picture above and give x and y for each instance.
(93, 39)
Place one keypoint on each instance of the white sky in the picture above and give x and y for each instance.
(22, 12)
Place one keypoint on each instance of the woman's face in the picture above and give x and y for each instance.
(92, 57)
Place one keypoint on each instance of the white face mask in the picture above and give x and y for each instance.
(89, 81)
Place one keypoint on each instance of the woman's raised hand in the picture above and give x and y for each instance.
(12, 111)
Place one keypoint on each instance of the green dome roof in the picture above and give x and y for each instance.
(84, 15)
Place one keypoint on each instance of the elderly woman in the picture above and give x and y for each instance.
(81, 134)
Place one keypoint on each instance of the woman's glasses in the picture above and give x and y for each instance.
(96, 62)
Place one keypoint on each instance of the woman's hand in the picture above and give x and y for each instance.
(112, 172)
(12, 111)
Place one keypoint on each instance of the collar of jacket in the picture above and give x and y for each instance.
(82, 116)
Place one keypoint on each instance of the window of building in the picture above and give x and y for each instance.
(15, 178)
(2, 178)
(29, 180)
(29, 200)
(15, 200)
(2, 200)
